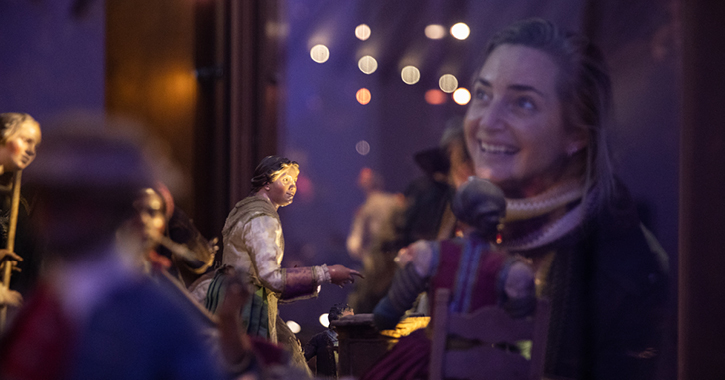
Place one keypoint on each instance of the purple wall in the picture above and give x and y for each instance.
(52, 58)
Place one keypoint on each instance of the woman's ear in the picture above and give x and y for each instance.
(577, 142)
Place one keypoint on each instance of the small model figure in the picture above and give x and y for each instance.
(324, 345)
(19, 137)
(254, 245)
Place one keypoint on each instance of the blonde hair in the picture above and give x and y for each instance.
(583, 87)
(10, 123)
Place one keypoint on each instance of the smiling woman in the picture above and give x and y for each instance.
(535, 128)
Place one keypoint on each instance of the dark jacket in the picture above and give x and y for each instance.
(608, 288)
(323, 346)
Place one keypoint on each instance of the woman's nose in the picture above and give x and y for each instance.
(490, 117)
(30, 151)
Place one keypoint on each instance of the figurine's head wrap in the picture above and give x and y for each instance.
(269, 169)
(480, 204)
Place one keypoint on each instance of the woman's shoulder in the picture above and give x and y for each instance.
(625, 249)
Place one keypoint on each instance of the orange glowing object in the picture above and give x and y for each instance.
(363, 96)
(435, 97)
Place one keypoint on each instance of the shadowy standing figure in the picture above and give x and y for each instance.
(372, 240)
(324, 345)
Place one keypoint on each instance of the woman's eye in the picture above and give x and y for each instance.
(481, 94)
(525, 103)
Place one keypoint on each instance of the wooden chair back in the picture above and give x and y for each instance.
(475, 350)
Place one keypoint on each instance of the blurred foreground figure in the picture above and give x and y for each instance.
(477, 274)
(19, 137)
(249, 357)
(94, 315)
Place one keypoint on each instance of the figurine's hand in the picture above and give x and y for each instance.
(235, 296)
(342, 275)
(10, 297)
(234, 343)
(214, 246)
(7, 255)
(404, 257)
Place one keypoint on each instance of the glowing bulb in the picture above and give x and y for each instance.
(367, 64)
(362, 147)
(460, 31)
(435, 31)
(362, 32)
(324, 320)
(448, 83)
(410, 74)
(461, 96)
(320, 53)
(294, 326)
(435, 97)
(363, 96)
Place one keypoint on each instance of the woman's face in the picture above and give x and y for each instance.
(514, 127)
(19, 149)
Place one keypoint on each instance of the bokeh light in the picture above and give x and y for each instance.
(460, 31)
(294, 326)
(362, 147)
(461, 96)
(448, 83)
(320, 53)
(363, 96)
(362, 32)
(435, 96)
(367, 64)
(410, 74)
(324, 320)
(435, 31)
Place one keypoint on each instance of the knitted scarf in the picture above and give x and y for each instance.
(553, 199)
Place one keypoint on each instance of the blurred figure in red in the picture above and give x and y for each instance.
(94, 315)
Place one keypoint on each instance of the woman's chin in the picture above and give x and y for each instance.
(497, 177)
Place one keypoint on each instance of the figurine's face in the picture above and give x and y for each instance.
(19, 149)
(282, 191)
(151, 211)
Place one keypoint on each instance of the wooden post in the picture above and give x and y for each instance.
(8, 266)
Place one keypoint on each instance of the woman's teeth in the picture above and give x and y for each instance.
(496, 149)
